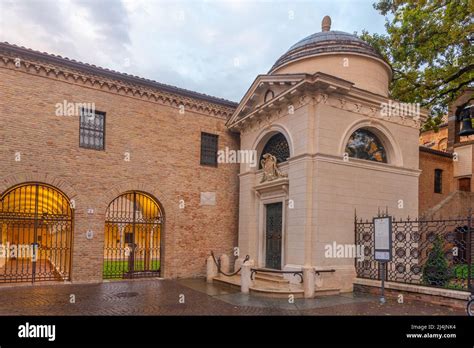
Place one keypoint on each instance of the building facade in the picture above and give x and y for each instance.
(107, 175)
(127, 191)
(345, 155)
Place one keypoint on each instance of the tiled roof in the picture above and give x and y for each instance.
(436, 152)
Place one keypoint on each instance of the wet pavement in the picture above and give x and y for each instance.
(190, 297)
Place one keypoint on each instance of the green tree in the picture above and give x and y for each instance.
(429, 45)
(436, 269)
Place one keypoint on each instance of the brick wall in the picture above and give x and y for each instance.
(429, 161)
(164, 148)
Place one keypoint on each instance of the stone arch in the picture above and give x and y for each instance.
(267, 133)
(393, 152)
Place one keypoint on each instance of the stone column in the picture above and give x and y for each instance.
(245, 281)
(308, 282)
(225, 263)
(238, 263)
(211, 269)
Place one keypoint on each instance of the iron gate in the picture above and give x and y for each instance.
(36, 229)
(133, 229)
(434, 253)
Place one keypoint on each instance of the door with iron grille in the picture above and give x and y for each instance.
(36, 229)
(133, 231)
(273, 235)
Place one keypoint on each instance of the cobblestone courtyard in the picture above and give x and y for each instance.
(189, 297)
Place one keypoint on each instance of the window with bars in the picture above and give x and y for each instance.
(209, 149)
(438, 181)
(92, 129)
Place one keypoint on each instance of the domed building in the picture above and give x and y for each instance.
(329, 144)
(317, 53)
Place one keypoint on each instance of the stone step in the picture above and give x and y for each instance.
(268, 277)
(234, 280)
(277, 291)
(327, 292)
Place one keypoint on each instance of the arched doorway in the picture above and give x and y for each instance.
(36, 230)
(133, 232)
(272, 205)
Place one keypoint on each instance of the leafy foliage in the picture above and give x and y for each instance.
(429, 45)
(436, 269)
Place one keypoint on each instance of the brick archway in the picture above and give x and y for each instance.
(134, 224)
(47, 178)
(37, 230)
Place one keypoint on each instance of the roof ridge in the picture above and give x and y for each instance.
(119, 75)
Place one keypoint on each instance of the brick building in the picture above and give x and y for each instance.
(146, 138)
(447, 166)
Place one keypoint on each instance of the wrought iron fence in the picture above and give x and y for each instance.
(435, 253)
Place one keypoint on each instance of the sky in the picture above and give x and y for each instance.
(216, 47)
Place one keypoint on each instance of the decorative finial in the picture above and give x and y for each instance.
(326, 23)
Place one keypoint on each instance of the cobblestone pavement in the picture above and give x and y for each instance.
(165, 297)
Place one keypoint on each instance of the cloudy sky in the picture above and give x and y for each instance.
(210, 46)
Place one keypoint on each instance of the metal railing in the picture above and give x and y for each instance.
(218, 264)
(253, 271)
(436, 253)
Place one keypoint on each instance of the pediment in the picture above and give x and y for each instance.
(300, 89)
(283, 87)
(264, 90)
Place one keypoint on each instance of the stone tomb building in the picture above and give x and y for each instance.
(134, 188)
(319, 111)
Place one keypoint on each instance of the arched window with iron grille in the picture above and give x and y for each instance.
(278, 146)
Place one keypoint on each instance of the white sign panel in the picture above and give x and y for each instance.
(383, 238)
(382, 255)
(208, 198)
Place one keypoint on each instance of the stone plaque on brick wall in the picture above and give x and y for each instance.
(208, 198)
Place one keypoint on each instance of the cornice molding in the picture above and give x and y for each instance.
(39, 67)
(325, 90)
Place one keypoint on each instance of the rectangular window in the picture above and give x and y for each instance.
(92, 129)
(465, 184)
(438, 181)
(209, 149)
